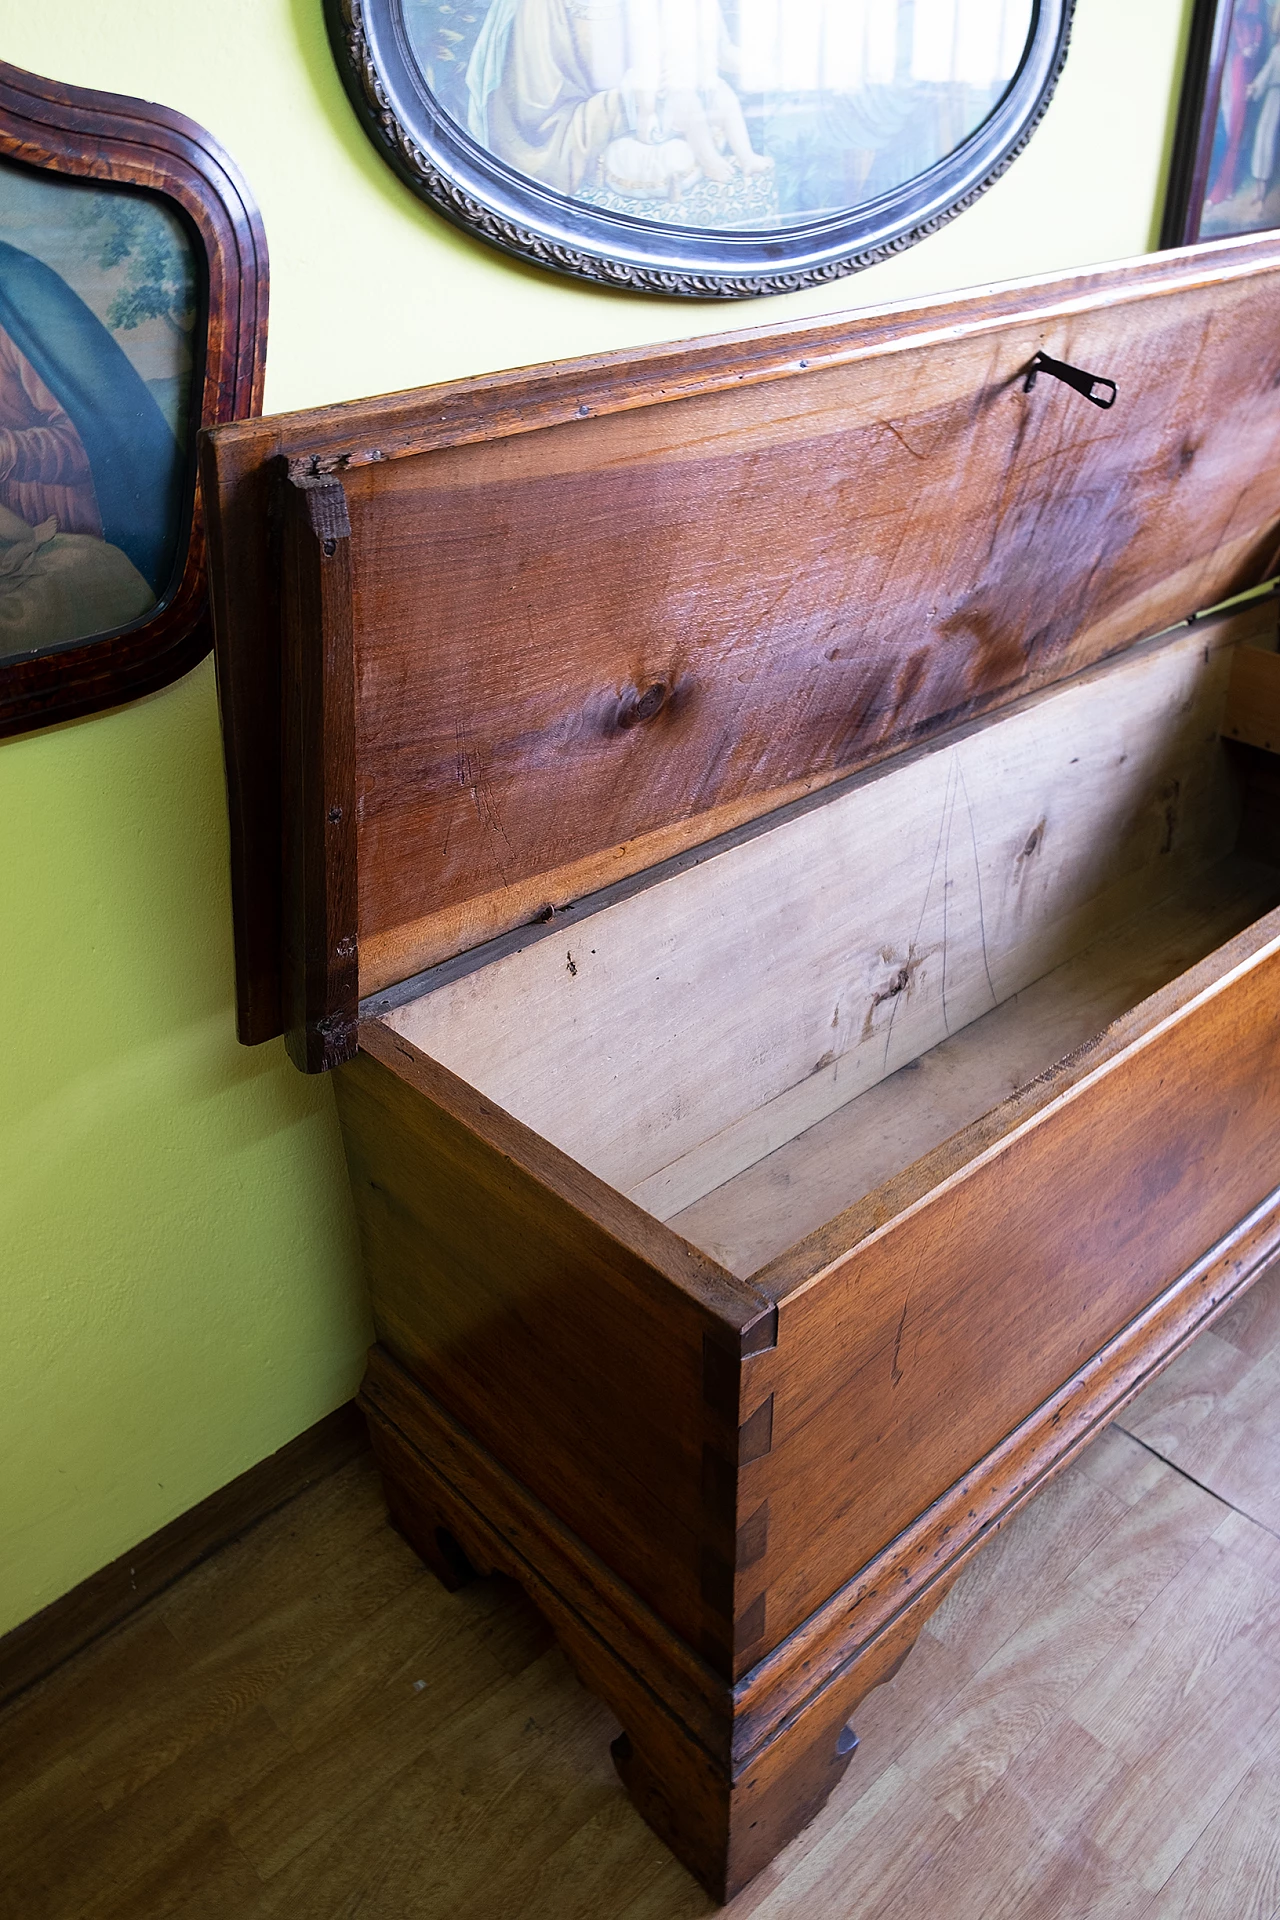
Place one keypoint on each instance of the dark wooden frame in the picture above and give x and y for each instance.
(109, 137)
(1197, 120)
(444, 166)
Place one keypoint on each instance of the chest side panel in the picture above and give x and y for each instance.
(912, 1358)
(604, 1379)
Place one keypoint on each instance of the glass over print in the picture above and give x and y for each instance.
(754, 113)
(1243, 191)
(98, 310)
(693, 138)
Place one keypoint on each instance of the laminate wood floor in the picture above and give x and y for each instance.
(308, 1728)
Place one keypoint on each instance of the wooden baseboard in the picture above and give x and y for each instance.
(109, 1596)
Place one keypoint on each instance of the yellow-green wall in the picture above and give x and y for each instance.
(179, 1280)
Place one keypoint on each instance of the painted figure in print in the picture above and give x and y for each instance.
(92, 470)
(1243, 194)
(719, 114)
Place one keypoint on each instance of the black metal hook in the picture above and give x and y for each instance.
(1073, 377)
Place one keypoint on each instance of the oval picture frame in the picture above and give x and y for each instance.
(147, 158)
(449, 168)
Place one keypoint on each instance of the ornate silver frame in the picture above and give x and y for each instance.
(477, 192)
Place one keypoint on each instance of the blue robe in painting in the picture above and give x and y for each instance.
(136, 462)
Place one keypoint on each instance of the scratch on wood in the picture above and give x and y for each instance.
(900, 438)
(895, 1371)
(471, 775)
(924, 908)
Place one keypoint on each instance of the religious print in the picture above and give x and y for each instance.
(780, 132)
(751, 113)
(1243, 189)
(1224, 177)
(98, 309)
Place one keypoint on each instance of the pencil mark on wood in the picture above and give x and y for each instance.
(977, 876)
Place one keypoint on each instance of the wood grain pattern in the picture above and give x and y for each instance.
(988, 1294)
(855, 933)
(540, 647)
(866, 602)
(80, 133)
(600, 1358)
(754, 1217)
(812, 1509)
(1210, 1414)
(723, 1814)
(321, 956)
(1233, 1871)
(851, 516)
(786, 1709)
(938, 1542)
(468, 1489)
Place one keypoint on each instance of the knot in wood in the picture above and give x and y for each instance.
(639, 707)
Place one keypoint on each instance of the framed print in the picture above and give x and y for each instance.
(133, 307)
(708, 148)
(1225, 174)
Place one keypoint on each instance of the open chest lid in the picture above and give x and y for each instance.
(486, 648)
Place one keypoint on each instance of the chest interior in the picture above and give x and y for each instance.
(757, 1038)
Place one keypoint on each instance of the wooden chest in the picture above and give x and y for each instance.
(796, 923)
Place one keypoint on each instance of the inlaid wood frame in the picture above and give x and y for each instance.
(111, 138)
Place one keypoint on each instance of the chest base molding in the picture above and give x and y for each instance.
(728, 1774)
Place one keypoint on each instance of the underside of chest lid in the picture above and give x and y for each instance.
(486, 648)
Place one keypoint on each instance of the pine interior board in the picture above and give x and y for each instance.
(1089, 1726)
(767, 1207)
(1253, 699)
(681, 1034)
